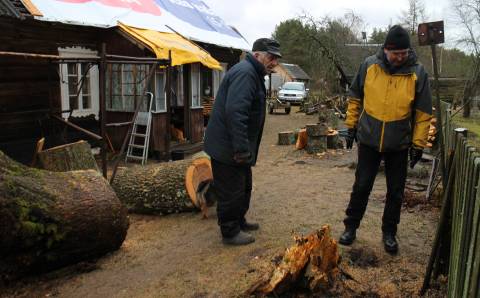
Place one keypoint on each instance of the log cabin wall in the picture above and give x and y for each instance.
(30, 87)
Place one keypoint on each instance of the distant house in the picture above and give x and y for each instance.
(291, 73)
(34, 88)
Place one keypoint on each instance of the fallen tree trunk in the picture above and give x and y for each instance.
(164, 188)
(51, 219)
(312, 263)
(68, 157)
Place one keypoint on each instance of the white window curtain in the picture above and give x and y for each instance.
(218, 76)
(195, 86)
(160, 95)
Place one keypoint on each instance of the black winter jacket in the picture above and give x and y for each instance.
(238, 115)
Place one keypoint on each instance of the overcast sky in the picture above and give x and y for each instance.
(257, 18)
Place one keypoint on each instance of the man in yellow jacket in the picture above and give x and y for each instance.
(389, 111)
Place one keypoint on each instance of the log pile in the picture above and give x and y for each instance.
(164, 188)
(312, 263)
(51, 219)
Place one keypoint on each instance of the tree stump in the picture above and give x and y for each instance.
(316, 130)
(51, 219)
(164, 188)
(286, 138)
(311, 263)
(69, 157)
(301, 139)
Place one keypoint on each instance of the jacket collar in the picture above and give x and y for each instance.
(407, 68)
(259, 68)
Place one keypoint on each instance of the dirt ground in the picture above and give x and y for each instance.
(181, 255)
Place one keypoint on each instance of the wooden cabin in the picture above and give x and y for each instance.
(32, 89)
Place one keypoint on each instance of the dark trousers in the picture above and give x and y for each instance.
(367, 169)
(233, 188)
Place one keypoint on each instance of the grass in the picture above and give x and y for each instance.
(472, 124)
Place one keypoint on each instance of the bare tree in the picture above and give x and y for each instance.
(414, 15)
(468, 16)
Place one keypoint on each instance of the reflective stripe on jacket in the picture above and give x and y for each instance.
(390, 107)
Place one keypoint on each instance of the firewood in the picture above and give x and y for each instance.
(286, 138)
(68, 157)
(301, 139)
(312, 261)
(316, 144)
(51, 219)
(164, 188)
(316, 130)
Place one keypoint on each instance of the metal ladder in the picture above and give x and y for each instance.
(143, 119)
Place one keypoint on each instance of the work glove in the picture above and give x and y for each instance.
(351, 136)
(242, 157)
(415, 156)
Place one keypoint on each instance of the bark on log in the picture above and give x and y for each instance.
(286, 138)
(301, 139)
(69, 157)
(51, 219)
(316, 130)
(164, 188)
(316, 144)
(311, 262)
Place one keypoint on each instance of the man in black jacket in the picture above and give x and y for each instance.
(233, 137)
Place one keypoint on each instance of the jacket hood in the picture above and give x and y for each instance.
(406, 68)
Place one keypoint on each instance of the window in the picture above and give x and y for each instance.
(180, 92)
(160, 95)
(79, 83)
(195, 86)
(218, 76)
(125, 85)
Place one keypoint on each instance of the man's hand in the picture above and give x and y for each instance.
(242, 157)
(351, 136)
(415, 156)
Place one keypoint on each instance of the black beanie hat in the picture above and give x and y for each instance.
(397, 39)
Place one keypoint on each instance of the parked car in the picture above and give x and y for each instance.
(294, 92)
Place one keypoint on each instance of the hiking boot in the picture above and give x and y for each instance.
(241, 238)
(390, 243)
(348, 236)
(249, 226)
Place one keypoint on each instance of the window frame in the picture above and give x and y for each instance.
(79, 52)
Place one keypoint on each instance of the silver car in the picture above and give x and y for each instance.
(294, 92)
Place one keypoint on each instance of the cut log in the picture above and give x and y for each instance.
(332, 140)
(164, 188)
(301, 139)
(38, 148)
(286, 138)
(51, 219)
(69, 157)
(316, 130)
(316, 144)
(311, 262)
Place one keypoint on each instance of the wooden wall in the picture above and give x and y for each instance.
(196, 133)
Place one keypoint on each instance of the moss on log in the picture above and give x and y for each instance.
(51, 219)
(162, 188)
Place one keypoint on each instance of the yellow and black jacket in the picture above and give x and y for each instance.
(390, 107)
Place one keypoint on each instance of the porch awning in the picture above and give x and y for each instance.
(183, 51)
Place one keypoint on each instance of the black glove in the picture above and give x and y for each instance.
(415, 156)
(242, 157)
(351, 136)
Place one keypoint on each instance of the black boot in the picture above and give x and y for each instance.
(390, 243)
(241, 238)
(348, 236)
(249, 226)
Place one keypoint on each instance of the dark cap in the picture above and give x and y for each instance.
(397, 39)
(267, 45)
